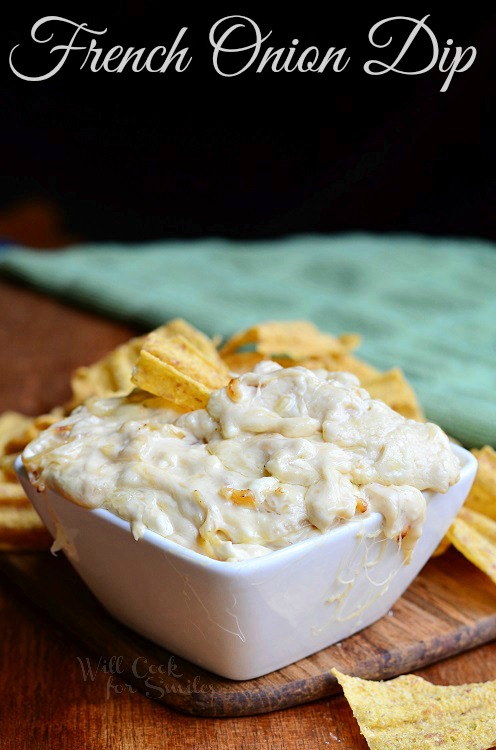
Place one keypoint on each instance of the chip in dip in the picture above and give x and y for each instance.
(277, 456)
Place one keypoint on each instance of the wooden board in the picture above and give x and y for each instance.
(449, 608)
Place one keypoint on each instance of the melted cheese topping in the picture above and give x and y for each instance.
(279, 455)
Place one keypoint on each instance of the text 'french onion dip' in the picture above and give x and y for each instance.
(278, 456)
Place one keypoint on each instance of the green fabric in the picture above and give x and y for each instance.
(425, 304)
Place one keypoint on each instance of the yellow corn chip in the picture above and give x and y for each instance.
(11, 492)
(16, 431)
(7, 471)
(474, 535)
(482, 497)
(186, 358)
(180, 327)
(350, 341)
(409, 713)
(393, 388)
(296, 339)
(149, 401)
(12, 424)
(161, 379)
(109, 376)
(22, 528)
(343, 363)
(241, 362)
(33, 427)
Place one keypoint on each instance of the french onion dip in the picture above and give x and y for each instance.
(278, 456)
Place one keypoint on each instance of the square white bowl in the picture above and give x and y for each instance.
(244, 619)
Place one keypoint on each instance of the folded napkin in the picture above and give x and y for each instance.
(427, 305)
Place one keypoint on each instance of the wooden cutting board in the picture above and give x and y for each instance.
(449, 608)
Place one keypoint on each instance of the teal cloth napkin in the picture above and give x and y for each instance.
(427, 305)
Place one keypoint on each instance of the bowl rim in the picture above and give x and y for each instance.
(254, 564)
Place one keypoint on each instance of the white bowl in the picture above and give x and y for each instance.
(245, 619)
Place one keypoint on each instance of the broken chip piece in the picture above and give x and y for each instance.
(112, 374)
(295, 339)
(408, 713)
(393, 388)
(21, 528)
(474, 535)
(482, 497)
(20, 525)
(199, 340)
(174, 369)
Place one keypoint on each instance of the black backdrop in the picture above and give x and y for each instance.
(141, 156)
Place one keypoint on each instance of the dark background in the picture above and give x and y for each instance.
(141, 156)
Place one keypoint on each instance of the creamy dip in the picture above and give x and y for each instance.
(278, 456)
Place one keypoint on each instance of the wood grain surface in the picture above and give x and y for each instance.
(44, 701)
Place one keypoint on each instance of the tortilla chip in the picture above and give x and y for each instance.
(241, 362)
(7, 471)
(16, 431)
(180, 327)
(409, 713)
(343, 363)
(482, 496)
(393, 388)
(186, 358)
(12, 424)
(11, 492)
(295, 338)
(22, 529)
(110, 376)
(149, 401)
(164, 380)
(34, 426)
(350, 341)
(474, 535)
